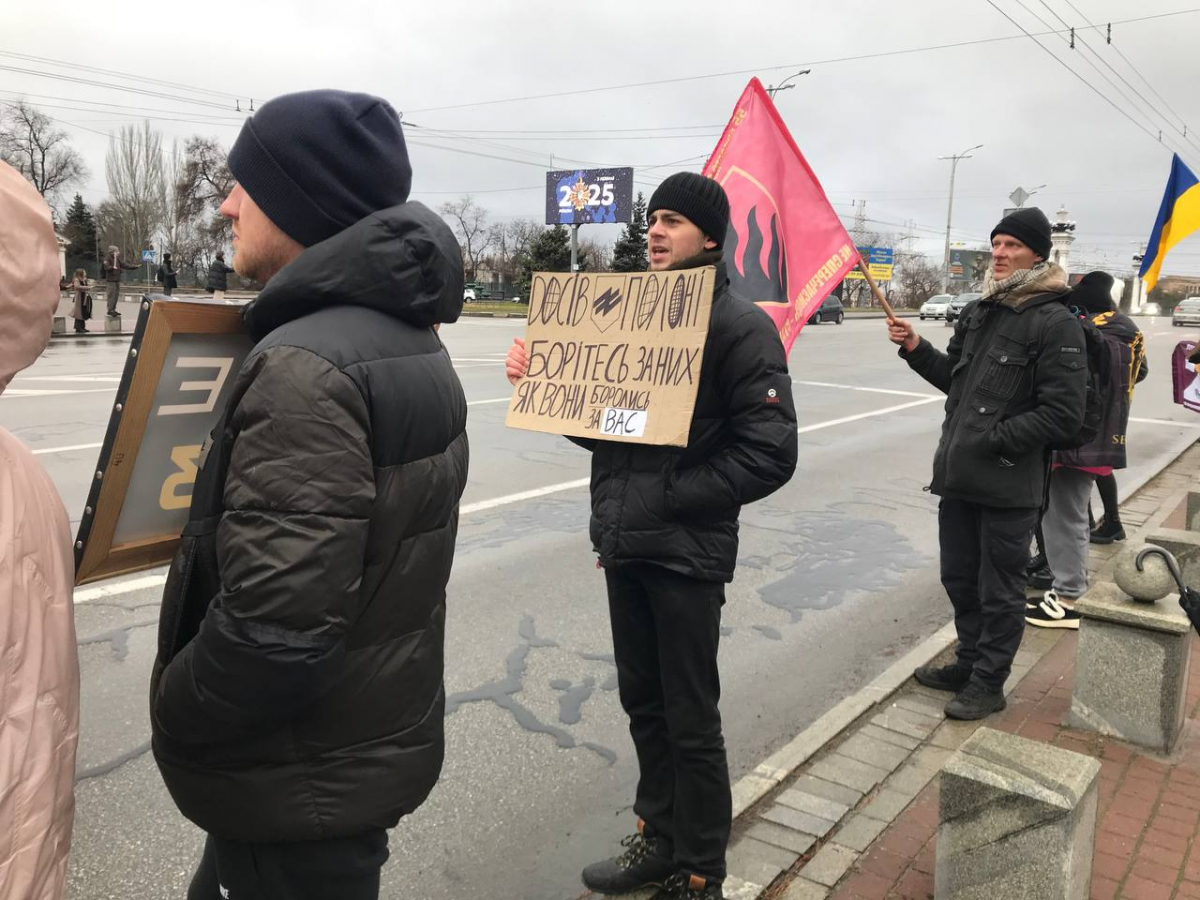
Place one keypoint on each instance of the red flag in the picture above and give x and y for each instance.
(786, 248)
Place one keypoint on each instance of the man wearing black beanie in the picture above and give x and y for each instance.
(664, 526)
(297, 701)
(1015, 373)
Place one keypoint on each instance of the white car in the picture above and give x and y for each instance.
(935, 307)
(468, 295)
(1186, 313)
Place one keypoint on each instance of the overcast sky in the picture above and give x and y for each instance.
(872, 129)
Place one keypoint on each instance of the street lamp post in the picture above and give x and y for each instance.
(966, 154)
(783, 85)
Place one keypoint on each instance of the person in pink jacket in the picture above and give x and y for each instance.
(39, 678)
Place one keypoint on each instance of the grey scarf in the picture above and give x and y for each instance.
(1044, 277)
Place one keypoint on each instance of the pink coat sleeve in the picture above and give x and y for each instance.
(39, 682)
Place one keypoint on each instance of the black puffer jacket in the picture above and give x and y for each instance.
(218, 276)
(678, 507)
(1016, 378)
(297, 693)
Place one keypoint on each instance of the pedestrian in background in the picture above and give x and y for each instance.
(39, 677)
(167, 275)
(1065, 525)
(81, 310)
(113, 266)
(218, 276)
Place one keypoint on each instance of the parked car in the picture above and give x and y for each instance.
(468, 295)
(958, 304)
(935, 307)
(830, 310)
(1186, 313)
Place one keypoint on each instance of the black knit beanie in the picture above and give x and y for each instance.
(696, 197)
(316, 162)
(1029, 226)
(1094, 292)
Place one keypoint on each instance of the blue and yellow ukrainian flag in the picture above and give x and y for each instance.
(1178, 217)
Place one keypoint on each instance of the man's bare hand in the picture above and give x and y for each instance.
(516, 364)
(901, 331)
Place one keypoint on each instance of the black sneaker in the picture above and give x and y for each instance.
(1041, 579)
(1036, 563)
(975, 701)
(1051, 612)
(1107, 533)
(682, 886)
(643, 864)
(943, 678)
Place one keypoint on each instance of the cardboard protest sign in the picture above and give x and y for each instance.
(177, 378)
(614, 356)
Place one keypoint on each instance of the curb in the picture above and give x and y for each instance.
(771, 774)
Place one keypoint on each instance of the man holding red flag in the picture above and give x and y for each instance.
(1015, 374)
(664, 526)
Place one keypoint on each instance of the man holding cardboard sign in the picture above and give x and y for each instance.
(664, 524)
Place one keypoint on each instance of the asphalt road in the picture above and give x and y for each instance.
(837, 575)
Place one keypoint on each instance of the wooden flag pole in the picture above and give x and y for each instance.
(887, 307)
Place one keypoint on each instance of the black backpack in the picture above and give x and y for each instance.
(1097, 386)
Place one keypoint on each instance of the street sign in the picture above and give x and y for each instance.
(880, 260)
(178, 375)
(585, 196)
(147, 256)
(1019, 196)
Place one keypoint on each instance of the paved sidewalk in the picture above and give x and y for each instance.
(855, 816)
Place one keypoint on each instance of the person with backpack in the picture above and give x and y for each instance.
(1015, 373)
(1119, 361)
(167, 276)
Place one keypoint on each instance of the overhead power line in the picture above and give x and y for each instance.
(1192, 139)
(817, 62)
(1103, 96)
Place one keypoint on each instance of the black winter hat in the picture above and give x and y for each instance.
(1094, 292)
(1029, 226)
(316, 162)
(700, 199)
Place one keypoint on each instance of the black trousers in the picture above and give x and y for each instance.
(985, 550)
(666, 627)
(337, 869)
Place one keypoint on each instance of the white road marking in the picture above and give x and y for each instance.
(486, 402)
(116, 589)
(113, 378)
(137, 584)
(870, 390)
(879, 412)
(1165, 422)
(19, 393)
(67, 449)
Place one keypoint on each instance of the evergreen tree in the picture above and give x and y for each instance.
(80, 230)
(629, 252)
(550, 251)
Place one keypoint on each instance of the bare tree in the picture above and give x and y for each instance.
(470, 223)
(599, 255)
(920, 279)
(31, 144)
(137, 180)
